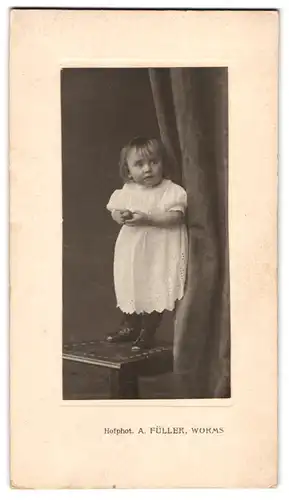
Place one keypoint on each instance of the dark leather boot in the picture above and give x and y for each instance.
(150, 323)
(129, 329)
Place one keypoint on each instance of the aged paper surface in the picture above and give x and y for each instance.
(57, 445)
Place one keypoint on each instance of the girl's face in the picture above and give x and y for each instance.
(145, 169)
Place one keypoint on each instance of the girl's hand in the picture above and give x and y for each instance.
(138, 219)
(121, 216)
(168, 219)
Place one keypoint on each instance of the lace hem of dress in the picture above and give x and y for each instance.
(160, 307)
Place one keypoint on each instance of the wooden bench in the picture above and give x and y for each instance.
(124, 365)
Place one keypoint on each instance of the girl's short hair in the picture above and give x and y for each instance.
(146, 146)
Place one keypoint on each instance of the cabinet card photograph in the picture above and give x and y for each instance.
(143, 152)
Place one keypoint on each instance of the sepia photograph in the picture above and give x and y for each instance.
(143, 151)
(146, 289)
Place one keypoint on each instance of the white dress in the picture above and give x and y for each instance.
(150, 263)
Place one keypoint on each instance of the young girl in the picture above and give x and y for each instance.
(150, 258)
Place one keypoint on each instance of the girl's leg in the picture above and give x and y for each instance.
(129, 329)
(150, 323)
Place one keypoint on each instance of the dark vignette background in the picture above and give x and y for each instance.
(101, 110)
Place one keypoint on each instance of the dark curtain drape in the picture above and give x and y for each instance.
(192, 111)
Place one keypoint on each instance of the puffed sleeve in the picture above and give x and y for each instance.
(176, 199)
(116, 201)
